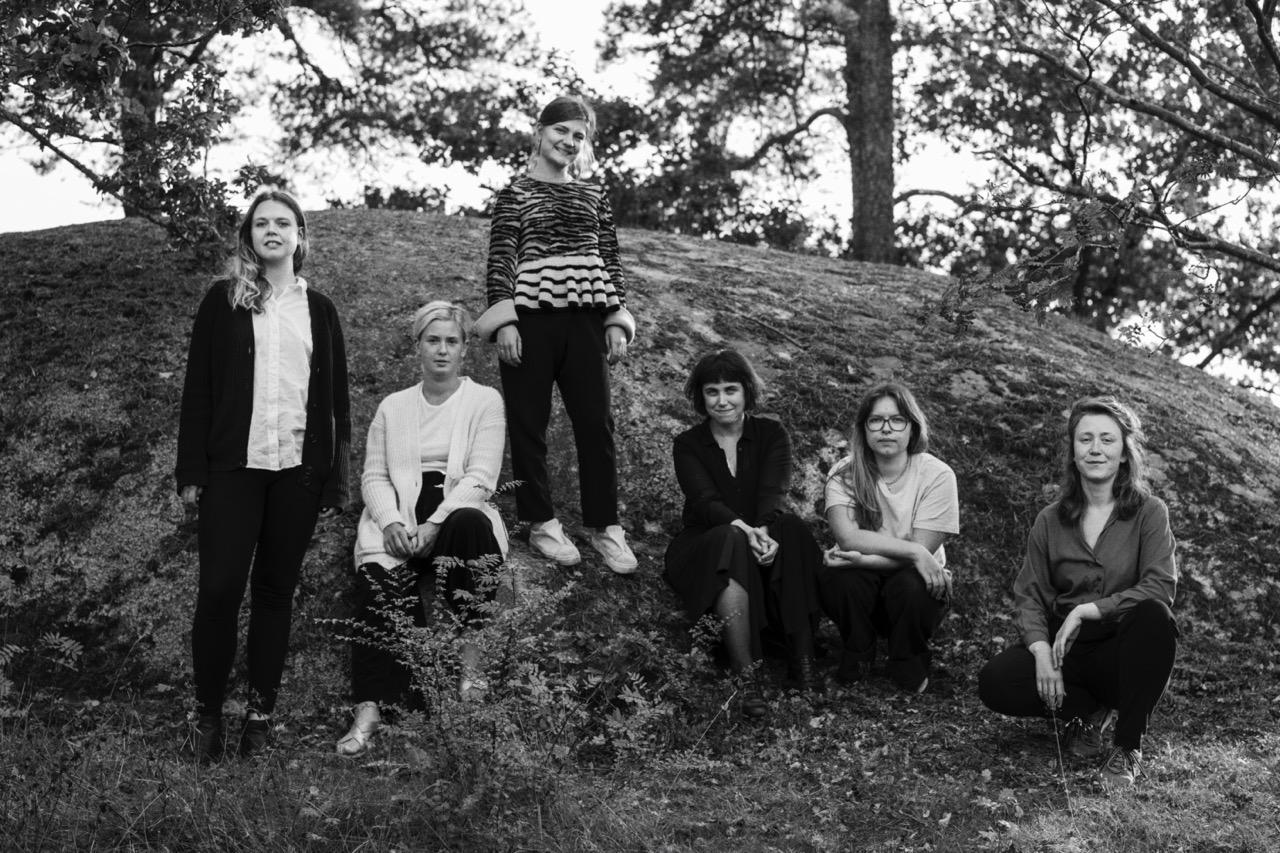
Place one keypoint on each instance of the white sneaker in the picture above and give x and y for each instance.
(612, 545)
(548, 539)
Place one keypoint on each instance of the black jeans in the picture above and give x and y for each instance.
(377, 673)
(248, 518)
(566, 349)
(1125, 666)
(865, 603)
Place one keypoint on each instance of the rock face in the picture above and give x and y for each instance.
(95, 321)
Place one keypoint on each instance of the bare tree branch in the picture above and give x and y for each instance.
(286, 29)
(1263, 21)
(1254, 107)
(787, 136)
(968, 204)
(1141, 105)
(97, 180)
(1241, 328)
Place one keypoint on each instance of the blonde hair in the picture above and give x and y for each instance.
(439, 309)
(247, 287)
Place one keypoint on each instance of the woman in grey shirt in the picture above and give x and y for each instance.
(1093, 598)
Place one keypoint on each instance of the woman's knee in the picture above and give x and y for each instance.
(990, 686)
(905, 589)
(998, 681)
(1151, 616)
(468, 519)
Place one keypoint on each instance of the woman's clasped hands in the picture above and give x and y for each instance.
(400, 542)
(763, 546)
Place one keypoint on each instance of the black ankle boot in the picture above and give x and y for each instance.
(206, 738)
(804, 672)
(254, 737)
(852, 669)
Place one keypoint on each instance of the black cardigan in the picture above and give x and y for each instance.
(217, 397)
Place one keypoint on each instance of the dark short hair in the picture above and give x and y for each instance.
(723, 365)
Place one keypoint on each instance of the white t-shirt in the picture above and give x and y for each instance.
(435, 431)
(923, 497)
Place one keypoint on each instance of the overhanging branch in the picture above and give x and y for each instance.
(44, 141)
(1141, 105)
(1254, 107)
(785, 137)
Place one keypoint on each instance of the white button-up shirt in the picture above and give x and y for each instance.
(281, 372)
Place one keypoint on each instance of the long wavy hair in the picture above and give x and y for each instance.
(862, 473)
(568, 108)
(1130, 487)
(247, 287)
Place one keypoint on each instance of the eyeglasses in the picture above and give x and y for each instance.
(897, 423)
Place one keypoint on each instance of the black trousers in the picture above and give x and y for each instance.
(865, 604)
(377, 674)
(566, 349)
(253, 526)
(1125, 666)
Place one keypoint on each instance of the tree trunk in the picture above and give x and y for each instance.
(140, 101)
(868, 76)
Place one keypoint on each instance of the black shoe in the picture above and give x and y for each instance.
(910, 674)
(206, 738)
(751, 701)
(803, 672)
(254, 737)
(852, 669)
(753, 704)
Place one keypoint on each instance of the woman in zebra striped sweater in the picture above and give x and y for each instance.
(557, 311)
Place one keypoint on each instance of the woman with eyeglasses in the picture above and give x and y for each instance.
(890, 505)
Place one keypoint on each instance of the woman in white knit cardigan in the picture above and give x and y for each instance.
(432, 461)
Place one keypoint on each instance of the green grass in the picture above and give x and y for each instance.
(604, 732)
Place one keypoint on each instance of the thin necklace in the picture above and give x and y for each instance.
(901, 474)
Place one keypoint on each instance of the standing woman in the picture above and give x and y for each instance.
(263, 444)
(890, 505)
(430, 466)
(1093, 598)
(557, 309)
(741, 555)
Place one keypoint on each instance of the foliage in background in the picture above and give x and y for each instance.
(133, 93)
(770, 78)
(1119, 131)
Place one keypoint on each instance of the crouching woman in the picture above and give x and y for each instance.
(1093, 599)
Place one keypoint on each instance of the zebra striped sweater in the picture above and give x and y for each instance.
(553, 247)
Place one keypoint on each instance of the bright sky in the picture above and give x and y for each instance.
(62, 196)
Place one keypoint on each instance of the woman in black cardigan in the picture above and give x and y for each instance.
(740, 554)
(263, 446)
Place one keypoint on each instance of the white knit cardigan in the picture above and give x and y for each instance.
(392, 478)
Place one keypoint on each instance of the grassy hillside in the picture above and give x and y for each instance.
(99, 562)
